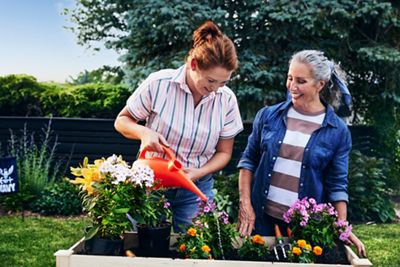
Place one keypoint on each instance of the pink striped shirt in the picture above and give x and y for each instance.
(166, 103)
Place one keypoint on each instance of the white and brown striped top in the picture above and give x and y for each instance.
(284, 187)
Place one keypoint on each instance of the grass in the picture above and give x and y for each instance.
(382, 242)
(33, 241)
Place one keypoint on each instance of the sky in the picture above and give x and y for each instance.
(33, 41)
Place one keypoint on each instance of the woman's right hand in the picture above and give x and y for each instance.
(246, 218)
(152, 141)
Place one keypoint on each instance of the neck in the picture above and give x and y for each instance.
(189, 81)
(311, 107)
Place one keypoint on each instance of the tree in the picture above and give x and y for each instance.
(362, 35)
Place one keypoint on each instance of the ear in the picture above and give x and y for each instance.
(193, 64)
(321, 85)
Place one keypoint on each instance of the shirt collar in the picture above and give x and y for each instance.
(330, 116)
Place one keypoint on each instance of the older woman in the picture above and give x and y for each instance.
(298, 148)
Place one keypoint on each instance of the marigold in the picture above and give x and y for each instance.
(301, 243)
(308, 247)
(257, 239)
(206, 249)
(317, 250)
(192, 232)
(296, 251)
(182, 247)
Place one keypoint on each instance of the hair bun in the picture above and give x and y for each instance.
(206, 33)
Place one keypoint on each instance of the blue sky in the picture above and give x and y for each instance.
(33, 41)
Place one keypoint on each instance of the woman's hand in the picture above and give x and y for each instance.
(246, 218)
(152, 141)
(193, 173)
(358, 244)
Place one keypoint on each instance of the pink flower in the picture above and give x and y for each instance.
(166, 205)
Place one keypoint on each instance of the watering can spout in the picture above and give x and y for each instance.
(169, 173)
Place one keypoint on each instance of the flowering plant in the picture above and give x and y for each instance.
(303, 252)
(209, 236)
(110, 189)
(254, 248)
(317, 223)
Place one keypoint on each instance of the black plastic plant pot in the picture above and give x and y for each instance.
(100, 246)
(154, 242)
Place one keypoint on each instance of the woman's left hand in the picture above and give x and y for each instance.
(359, 245)
(193, 173)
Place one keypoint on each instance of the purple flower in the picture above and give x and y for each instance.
(166, 205)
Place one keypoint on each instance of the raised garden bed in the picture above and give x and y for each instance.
(74, 257)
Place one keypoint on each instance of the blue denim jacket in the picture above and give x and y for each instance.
(325, 161)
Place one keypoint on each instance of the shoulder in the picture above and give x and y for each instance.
(226, 92)
(164, 74)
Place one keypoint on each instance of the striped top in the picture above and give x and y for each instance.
(165, 101)
(284, 188)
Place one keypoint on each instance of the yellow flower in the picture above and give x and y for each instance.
(182, 247)
(317, 250)
(296, 251)
(192, 232)
(308, 247)
(206, 249)
(301, 243)
(257, 239)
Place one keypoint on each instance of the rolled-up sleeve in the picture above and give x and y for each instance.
(337, 172)
(233, 121)
(251, 156)
(139, 103)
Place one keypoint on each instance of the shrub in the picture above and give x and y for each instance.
(226, 194)
(36, 167)
(369, 199)
(58, 199)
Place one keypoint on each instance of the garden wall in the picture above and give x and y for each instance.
(97, 138)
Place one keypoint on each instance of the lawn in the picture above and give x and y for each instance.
(32, 242)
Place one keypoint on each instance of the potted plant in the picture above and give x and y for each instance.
(110, 188)
(318, 230)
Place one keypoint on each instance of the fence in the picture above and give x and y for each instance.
(96, 138)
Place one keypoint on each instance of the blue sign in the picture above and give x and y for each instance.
(8, 175)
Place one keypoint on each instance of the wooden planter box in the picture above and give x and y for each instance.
(70, 258)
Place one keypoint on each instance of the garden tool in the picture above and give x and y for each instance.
(169, 173)
(280, 246)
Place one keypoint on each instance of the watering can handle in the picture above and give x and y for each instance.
(167, 151)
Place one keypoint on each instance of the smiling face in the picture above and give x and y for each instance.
(203, 82)
(303, 87)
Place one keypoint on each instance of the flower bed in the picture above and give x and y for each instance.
(73, 257)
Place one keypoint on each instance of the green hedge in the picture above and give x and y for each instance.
(23, 95)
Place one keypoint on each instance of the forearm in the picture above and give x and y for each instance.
(216, 163)
(245, 178)
(341, 208)
(129, 128)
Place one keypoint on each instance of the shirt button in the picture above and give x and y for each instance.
(269, 175)
(306, 148)
(280, 142)
(304, 166)
(301, 184)
(266, 191)
(274, 158)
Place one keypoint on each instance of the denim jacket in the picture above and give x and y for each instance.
(325, 160)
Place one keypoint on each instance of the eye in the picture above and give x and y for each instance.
(289, 78)
(211, 81)
(302, 81)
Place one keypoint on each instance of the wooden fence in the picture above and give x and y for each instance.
(96, 138)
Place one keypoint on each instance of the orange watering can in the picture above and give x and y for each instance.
(169, 172)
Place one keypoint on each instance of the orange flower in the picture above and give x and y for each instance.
(182, 247)
(317, 250)
(257, 239)
(301, 243)
(191, 231)
(308, 247)
(296, 251)
(206, 249)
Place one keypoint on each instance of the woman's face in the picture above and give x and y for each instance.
(302, 85)
(207, 81)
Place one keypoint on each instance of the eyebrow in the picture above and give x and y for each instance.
(211, 78)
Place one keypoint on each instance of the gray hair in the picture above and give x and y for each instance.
(322, 69)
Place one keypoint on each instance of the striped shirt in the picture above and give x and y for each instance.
(165, 101)
(284, 188)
